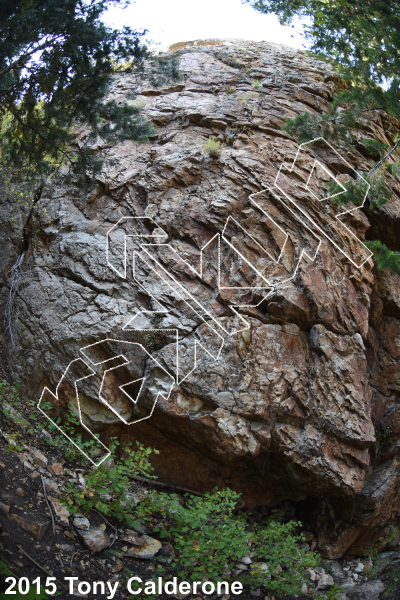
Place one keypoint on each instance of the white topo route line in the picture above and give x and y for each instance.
(144, 258)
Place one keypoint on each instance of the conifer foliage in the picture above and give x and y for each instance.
(362, 38)
(56, 59)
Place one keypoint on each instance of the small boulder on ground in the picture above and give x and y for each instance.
(37, 458)
(51, 486)
(359, 568)
(325, 581)
(82, 523)
(131, 499)
(132, 538)
(147, 551)
(119, 565)
(96, 538)
(55, 469)
(60, 511)
(15, 416)
(337, 572)
(370, 590)
(4, 509)
(167, 550)
(312, 575)
(36, 528)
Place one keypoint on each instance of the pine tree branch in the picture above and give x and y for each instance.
(42, 137)
(363, 110)
(376, 167)
(19, 63)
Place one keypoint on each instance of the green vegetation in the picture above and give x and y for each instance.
(107, 485)
(361, 37)
(384, 436)
(71, 425)
(18, 184)
(9, 396)
(56, 63)
(378, 192)
(213, 147)
(362, 40)
(392, 584)
(11, 391)
(373, 560)
(384, 258)
(210, 538)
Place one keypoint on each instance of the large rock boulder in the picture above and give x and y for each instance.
(288, 354)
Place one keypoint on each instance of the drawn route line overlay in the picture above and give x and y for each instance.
(143, 258)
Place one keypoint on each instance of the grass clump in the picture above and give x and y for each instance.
(213, 147)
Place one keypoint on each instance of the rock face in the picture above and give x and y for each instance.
(287, 367)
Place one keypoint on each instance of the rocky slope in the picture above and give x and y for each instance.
(285, 381)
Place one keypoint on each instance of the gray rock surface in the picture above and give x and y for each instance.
(61, 513)
(82, 523)
(370, 590)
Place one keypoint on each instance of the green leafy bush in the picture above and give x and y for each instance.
(394, 168)
(209, 538)
(373, 560)
(71, 426)
(355, 192)
(308, 127)
(374, 148)
(11, 391)
(334, 593)
(107, 486)
(379, 194)
(9, 394)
